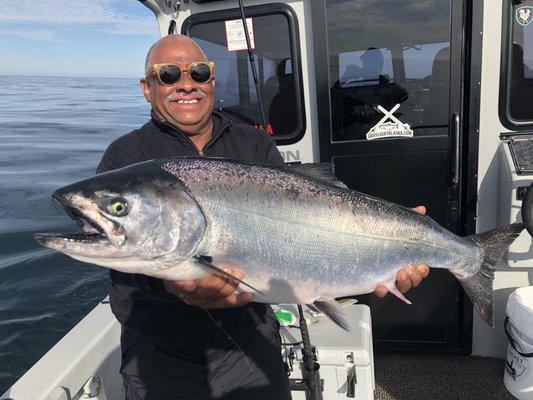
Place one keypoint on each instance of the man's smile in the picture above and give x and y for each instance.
(188, 101)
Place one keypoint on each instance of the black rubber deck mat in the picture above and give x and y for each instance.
(413, 377)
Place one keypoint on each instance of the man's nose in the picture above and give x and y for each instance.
(186, 83)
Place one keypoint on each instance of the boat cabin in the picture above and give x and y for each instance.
(418, 102)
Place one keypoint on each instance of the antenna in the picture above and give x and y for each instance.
(252, 65)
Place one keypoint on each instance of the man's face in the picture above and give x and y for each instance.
(186, 104)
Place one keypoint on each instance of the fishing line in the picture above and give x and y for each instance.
(231, 339)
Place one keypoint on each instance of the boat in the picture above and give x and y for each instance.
(423, 103)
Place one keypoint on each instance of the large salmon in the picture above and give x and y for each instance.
(299, 235)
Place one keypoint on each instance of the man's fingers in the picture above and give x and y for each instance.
(214, 290)
(234, 300)
(175, 287)
(403, 282)
(237, 273)
(407, 278)
(381, 291)
(414, 276)
(232, 283)
(220, 286)
(423, 270)
(420, 210)
(207, 291)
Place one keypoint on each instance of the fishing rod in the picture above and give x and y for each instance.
(311, 367)
(252, 65)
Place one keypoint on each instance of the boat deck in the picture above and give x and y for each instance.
(92, 348)
(407, 376)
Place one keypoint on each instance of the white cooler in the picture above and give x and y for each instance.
(339, 354)
(518, 376)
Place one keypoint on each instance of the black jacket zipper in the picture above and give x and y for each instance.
(185, 139)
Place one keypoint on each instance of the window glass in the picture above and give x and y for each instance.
(419, 59)
(521, 62)
(235, 93)
(360, 68)
(388, 53)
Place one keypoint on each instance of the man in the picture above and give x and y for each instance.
(172, 348)
(372, 68)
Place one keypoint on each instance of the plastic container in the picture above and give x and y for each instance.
(346, 358)
(518, 376)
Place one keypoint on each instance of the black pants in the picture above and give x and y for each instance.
(154, 372)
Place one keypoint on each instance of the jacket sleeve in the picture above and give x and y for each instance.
(269, 153)
(273, 156)
(121, 153)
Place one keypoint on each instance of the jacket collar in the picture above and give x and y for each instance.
(220, 126)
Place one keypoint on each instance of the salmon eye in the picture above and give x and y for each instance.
(118, 207)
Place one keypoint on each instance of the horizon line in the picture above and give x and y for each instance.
(68, 76)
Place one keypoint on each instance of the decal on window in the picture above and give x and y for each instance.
(235, 35)
(389, 126)
(524, 15)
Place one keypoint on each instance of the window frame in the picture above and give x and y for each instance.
(294, 43)
(399, 72)
(519, 127)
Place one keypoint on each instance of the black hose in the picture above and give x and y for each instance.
(527, 209)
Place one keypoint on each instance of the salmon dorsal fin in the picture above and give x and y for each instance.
(324, 172)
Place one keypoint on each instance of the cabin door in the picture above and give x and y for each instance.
(390, 118)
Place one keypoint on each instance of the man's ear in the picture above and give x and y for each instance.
(145, 87)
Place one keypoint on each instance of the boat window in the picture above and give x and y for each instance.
(520, 64)
(361, 68)
(382, 55)
(277, 63)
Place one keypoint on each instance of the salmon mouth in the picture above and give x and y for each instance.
(91, 231)
(97, 228)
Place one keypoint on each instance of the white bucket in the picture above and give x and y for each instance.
(518, 376)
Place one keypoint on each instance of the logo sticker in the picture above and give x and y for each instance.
(389, 126)
(516, 365)
(524, 15)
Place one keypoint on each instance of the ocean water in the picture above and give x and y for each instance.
(53, 131)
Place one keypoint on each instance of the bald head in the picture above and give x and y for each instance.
(183, 102)
(167, 42)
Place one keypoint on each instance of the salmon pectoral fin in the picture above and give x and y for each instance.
(206, 261)
(334, 311)
(478, 287)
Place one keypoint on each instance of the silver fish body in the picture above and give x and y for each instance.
(296, 233)
(300, 240)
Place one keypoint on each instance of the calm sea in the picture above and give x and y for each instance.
(53, 131)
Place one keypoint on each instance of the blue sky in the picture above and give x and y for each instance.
(103, 38)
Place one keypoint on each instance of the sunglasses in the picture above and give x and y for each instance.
(169, 74)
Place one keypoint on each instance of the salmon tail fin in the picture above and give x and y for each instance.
(479, 286)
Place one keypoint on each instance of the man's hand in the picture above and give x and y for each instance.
(410, 276)
(214, 291)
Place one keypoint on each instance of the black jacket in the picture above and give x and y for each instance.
(141, 303)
